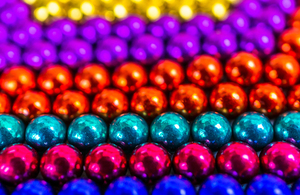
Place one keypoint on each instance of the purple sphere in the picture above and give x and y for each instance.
(199, 25)
(147, 49)
(252, 8)
(111, 51)
(164, 27)
(287, 6)
(3, 34)
(9, 54)
(130, 27)
(75, 53)
(258, 40)
(183, 47)
(95, 29)
(14, 13)
(61, 30)
(237, 22)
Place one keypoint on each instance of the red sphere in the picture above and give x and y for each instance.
(267, 99)
(229, 99)
(5, 104)
(238, 160)
(167, 75)
(289, 42)
(281, 159)
(295, 19)
(61, 163)
(18, 163)
(55, 79)
(293, 98)
(244, 68)
(150, 162)
(105, 163)
(282, 70)
(92, 78)
(194, 161)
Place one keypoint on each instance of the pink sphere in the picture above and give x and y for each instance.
(150, 162)
(238, 160)
(281, 159)
(194, 161)
(18, 163)
(105, 163)
(61, 163)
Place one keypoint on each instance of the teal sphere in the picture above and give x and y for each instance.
(253, 128)
(12, 130)
(170, 129)
(87, 131)
(287, 128)
(45, 131)
(128, 131)
(212, 129)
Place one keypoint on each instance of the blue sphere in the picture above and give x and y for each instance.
(34, 187)
(126, 185)
(267, 184)
(253, 128)
(128, 131)
(286, 128)
(212, 129)
(87, 131)
(80, 187)
(3, 190)
(221, 184)
(296, 187)
(12, 130)
(45, 131)
(175, 185)
(170, 129)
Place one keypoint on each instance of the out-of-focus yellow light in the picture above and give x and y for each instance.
(153, 13)
(75, 14)
(30, 2)
(64, 1)
(234, 1)
(87, 8)
(53, 8)
(109, 15)
(186, 12)
(136, 1)
(41, 14)
(219, 10)
(120, 11)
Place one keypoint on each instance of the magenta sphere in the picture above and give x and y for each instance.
(165, 27)
(14, 13)
(11, 55)
(281, 159)
(18, 163)
(3, 34)
(238, 160)
(252, 8)
(237, 22)
(200, 25)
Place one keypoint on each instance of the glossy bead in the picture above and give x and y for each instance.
(87, 131)
(236, 22)
(287, 6)
(128, 131)
(80, 186)
(149, 102)
(61, 163)
(109, 104)
(205, 71)
(166, 75)
(5, 103)
(10, 54)
(19, 163)
(26, 33)
(211, 129)
(194, 161)
(70, 104)
(55, 79)
(293, 98)
(221, 184)
(129, 77)
(34, 187)
(105, 163)
(296, 187)
(126, 185)
(165, 27)
(238, 160)
(45, 131)
(150, 162)
(31, 104)
(170, 129)
(295, 19)
(281, 159)
(16, 80)
(3, 33)
(267, 99)
(288, 42)
(267, 184)
(92, 78)
(252, 8)
(198, 26)
(244, 68)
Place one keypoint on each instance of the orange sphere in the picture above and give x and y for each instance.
(55, 79)
(92, 78)
(289, 42)
(267, 99)
(282, 70)
(31, 104)
(204, 70)
(229, 99)
(295, 19)
(16, 80)
(244, 68)
(293, 98)
(167, 75)
(70, 104)
(129, 77)
(109, 104)
(5, 104)
(188, 100)
(149, 102)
